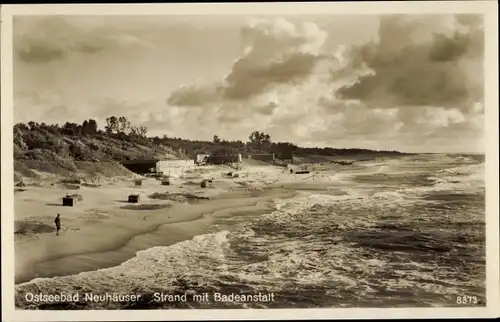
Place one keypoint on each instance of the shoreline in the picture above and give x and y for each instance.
(109, 243)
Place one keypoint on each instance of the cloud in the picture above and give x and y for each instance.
(246, 80)
(276, 52)
(268, 109)
(39, 52)
(51, 38)
(420, 61)
(193, 95)
(420, 83)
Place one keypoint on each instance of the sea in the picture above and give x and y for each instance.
(400, 232)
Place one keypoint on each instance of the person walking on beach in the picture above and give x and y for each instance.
(57, 221)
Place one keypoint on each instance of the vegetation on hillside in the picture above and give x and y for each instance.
(66, 148)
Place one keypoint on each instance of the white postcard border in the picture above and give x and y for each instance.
(488, 8)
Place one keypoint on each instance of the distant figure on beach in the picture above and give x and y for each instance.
(57, 221)
(291, 171)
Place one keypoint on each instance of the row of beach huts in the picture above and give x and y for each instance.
(205, 158)
(153, 168)
(71, 200)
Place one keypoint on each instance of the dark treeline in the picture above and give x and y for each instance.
(67, 141)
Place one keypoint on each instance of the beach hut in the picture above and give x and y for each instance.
(138, 182)
(70, 201)
(201, 158)
(165, 182)
(134, 198)
(206, 183)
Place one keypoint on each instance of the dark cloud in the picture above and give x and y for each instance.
(448, 49)
(50, 38)
(40, 53)
(277, 52)
(193, 95)
(420, 62)
(88, 48)
(268, 109)
(42, 39)
(246, 81)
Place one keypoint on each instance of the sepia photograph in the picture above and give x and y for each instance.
(248, 161)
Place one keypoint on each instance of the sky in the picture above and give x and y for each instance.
(393, 82)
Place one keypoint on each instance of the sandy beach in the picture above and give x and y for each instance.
(104, 230)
